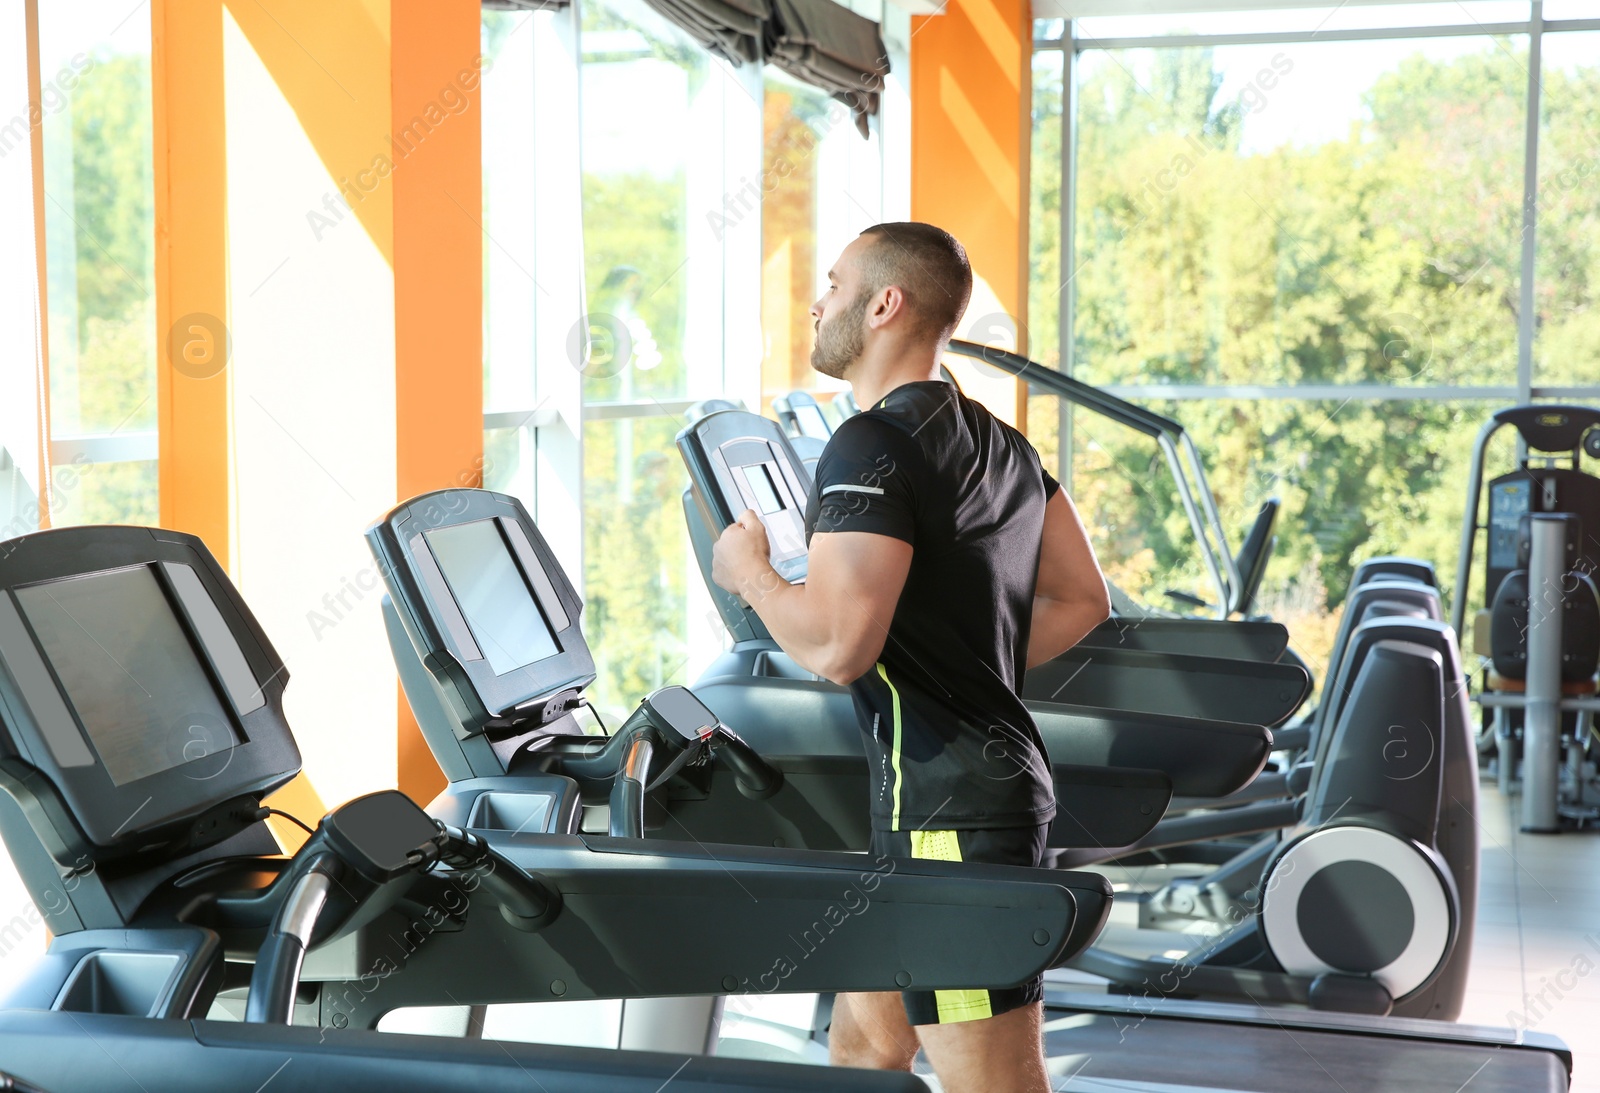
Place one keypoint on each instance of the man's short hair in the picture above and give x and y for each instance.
(929, 265)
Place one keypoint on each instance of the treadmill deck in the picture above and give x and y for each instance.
(1107, 1044)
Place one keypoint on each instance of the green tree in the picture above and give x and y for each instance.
(1390, 256)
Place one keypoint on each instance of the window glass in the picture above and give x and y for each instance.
(1355, 479)
(99, 230)
(1570, 9)
(653, 184)
(1317, 213)
(821, 185)
(1044, 217)
(636, 559)
(508, 217)
(1567, 278)
(794, 118)
(1325, 20)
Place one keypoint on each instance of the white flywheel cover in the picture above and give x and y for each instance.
(1404, 861)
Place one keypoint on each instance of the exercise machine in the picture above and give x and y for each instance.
(1540, 625)
(1410, 1054)
(141, 727)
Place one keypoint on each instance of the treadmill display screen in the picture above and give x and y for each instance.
(493, 595)
(129, 671)
(811, 421)
(760, 480)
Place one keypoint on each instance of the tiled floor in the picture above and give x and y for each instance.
(1536, 956)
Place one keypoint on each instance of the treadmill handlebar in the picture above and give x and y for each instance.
(626, 758)
(756, 777)
(527, 901)
(276, 977)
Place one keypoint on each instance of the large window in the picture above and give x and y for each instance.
(656, 225)
(1567, 277)
(99, 200)
(1301, 235)
(820, 185)
(669, 275)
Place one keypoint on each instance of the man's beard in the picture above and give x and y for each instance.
(840, 340)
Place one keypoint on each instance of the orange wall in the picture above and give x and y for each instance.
(420, 207)
(191, 194)
(970, 139)
(438, 278)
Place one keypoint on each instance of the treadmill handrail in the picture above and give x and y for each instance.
(1175, 443)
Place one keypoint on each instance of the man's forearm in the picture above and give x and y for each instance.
(1058, 626)
(782, 607)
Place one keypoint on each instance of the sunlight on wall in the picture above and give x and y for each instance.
(312, 307)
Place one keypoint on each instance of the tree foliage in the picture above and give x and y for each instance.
(1390, 256)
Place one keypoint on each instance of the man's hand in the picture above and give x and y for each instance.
(739, 559)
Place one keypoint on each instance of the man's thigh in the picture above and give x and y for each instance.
(871, 1030)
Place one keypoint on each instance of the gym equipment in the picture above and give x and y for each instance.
(485, 725)
(1375, 1044)
(802, 419)
(141, 724)
(1540, 628)
(801, 416)
(1270, 802)
(1368, 902)
(724, 452)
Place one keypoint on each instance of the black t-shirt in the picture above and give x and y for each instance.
(950, 742)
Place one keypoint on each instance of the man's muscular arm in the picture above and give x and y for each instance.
(836, 623)
(1070, 598)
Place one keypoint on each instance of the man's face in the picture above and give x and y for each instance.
(840, 316)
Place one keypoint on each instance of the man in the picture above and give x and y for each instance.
(944, 560)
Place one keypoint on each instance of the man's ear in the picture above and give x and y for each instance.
(891, 301)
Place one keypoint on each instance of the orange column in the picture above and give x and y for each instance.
(970, 138)
(438, 275)
(191, 270)
(36, 150)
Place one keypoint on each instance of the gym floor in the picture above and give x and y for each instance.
(1536, 955)
(1536, 950)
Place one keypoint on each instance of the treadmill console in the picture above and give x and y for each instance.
(141, 707)
(801, 416)
(487, 607)
(737, 461)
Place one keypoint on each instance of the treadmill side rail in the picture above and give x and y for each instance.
(655, 919)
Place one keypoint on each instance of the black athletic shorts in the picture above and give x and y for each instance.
(997, 846)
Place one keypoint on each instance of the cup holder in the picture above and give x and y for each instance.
(515, 812)
(125, 983)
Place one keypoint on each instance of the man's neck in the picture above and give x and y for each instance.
(872, 384)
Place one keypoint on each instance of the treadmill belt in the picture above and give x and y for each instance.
(1127, 1052)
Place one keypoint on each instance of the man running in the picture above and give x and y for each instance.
(944, 561)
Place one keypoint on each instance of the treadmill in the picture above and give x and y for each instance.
(1095, 1042)
(142, 725)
